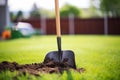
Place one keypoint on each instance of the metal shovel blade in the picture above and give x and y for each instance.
(66, 55)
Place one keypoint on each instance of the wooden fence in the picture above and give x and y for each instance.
(81, 26)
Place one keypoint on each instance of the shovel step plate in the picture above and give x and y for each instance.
(67, 55)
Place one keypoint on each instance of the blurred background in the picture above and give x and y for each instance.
(24, 18)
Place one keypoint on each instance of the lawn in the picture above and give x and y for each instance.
(98, 54)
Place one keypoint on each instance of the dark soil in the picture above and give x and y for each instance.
(37, 68)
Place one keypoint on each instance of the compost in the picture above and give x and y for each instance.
(37, 68)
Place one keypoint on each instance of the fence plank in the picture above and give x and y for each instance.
(81, 26)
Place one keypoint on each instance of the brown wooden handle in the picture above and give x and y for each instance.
(58, 30)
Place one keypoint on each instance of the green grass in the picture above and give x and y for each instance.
(99, 55)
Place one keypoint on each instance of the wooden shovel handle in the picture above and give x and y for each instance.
(58, 30)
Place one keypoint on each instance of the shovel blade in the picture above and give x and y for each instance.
(66, 55)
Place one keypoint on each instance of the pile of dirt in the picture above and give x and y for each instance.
(37, 68)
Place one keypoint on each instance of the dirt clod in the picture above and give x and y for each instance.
(37, 68)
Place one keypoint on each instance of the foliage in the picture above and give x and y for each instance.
(93, 12)
(35, 11)
(19, 15)
(94, 9)
(99, 55)
(12, 16)
(69, 9)
(111, 7)
(35, 14)
(47, 13)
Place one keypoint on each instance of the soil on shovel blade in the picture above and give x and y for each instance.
(37, 68)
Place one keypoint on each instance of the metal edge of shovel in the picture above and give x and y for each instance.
(61, 55)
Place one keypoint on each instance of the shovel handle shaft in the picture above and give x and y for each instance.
(58, 30)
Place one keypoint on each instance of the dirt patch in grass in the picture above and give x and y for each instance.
(37, 68)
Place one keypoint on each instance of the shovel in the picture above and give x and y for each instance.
(60, 56)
